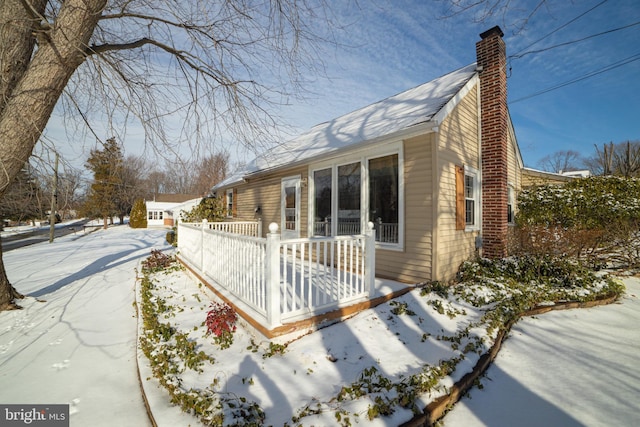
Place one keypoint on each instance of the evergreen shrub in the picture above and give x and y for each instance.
(171, 237)
(595, 218)
(210, 208)
(138, 215)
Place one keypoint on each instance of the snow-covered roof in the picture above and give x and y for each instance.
(396, 113)
(172, 206)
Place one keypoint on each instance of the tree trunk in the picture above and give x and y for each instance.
(7, 292)
(36, 85)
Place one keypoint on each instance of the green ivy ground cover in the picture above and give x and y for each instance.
(380, 367)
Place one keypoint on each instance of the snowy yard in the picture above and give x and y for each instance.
(75, 342)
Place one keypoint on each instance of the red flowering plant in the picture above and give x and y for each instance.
(221, 322)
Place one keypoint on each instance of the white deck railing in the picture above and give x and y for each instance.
(282, 280)
(386, 232)
(246, 228)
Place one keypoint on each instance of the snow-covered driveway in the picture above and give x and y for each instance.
(77, 343)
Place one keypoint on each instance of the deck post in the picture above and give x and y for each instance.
(273, 275)
(370, 259)
(202, 240)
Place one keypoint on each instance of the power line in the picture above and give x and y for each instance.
(520, 55)
(561, 27)
(583, 77)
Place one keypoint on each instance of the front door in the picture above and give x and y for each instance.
(290, 207)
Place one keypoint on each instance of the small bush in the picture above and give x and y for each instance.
(171, 238)
(221, 322)
(157, 261)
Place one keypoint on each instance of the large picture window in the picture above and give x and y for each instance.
(383, 197)
(348, 196)
(349, 216)
(322, 182)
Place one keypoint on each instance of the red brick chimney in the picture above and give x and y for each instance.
(492, 61)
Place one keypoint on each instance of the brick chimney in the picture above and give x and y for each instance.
(492, 58)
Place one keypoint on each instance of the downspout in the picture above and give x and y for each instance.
(478, 240)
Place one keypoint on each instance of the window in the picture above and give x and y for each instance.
(230, 205)
(383, 197)
(346, 196)
(290, 202)
(154, 215)
(510, 204)
(290, 206)
(349, 199)
(322, 183)
(467, 198)
(472, 198)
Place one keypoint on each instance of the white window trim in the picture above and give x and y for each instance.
(363, 157)
(475, 173)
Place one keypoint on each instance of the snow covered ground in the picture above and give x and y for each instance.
(75, 342)
(563, 368)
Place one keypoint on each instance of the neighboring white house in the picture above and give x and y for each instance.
(164, 210)
(577, 174)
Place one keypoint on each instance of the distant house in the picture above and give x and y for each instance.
(532, 177)
(435, 169)
(577, 174)
(164, 210)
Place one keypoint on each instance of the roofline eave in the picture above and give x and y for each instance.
(406, 133)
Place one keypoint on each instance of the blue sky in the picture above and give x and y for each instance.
(391, 46)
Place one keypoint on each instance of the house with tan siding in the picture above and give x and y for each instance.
(435, 169)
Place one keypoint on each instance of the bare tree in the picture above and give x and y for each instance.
(602, 162)
(627, 159)
(132, 184)
(210, 171)
(197, 60)
(23, 201)
(69, 187)
(621, 159)
(561, 161)
(178, 177)
(156, 182)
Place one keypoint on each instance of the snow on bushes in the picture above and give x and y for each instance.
(593, 218)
